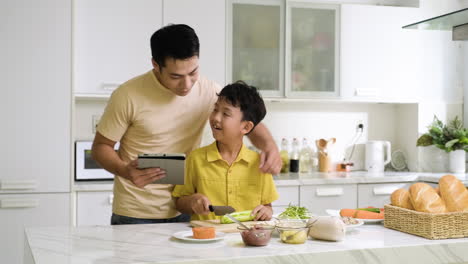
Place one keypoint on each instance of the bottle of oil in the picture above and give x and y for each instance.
(284, 153)
(305, 157)
(294, 157)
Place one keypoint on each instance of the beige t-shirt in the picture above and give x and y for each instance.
(146, 117)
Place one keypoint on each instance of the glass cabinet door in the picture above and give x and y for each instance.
(255, 46)
(312, 50)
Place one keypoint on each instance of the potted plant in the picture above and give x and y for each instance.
(452, 138)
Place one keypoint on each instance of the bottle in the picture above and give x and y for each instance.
(305, 157)
(284, 153)
(294, 157)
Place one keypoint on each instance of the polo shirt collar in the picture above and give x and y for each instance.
(212, 154)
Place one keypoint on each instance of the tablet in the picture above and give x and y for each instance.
(173, 163)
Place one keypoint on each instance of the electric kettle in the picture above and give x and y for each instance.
(378, 154)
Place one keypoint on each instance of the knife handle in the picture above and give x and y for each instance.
(211, 208)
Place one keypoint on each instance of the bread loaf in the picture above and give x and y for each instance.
(401, 198)
(454, 193)
(425, 199)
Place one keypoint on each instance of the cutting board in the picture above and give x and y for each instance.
(225, 228)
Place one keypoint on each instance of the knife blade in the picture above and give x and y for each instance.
(221, 210)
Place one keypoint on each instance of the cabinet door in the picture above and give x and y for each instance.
(287, 195)
(312, 48)
(210, 28)
(35, 105)
(379, 59)
(377, 195)
(255, 44)
(112, 42)
(318, 198)
(93, 208)
(21, 211)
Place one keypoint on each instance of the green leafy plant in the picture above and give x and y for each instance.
(446, 137)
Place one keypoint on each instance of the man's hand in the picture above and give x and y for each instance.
(270, 160)
(262, 212)
(200, 204)
(141, 177)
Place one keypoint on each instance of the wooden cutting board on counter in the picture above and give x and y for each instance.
(225, 228)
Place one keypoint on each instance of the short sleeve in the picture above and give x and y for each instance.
(188, 188)
(117, 116)
(269, 193)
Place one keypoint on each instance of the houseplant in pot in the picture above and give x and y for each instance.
(452, 138)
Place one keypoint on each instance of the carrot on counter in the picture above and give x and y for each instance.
(204, 232)
(362, 214)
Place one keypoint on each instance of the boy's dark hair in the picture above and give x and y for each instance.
(177, 41)
(247, 98)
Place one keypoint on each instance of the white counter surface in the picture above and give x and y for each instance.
(370, 243)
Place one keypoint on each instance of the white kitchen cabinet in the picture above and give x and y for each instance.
(112, 42)
(20, 211)
(318, 198)
(35, 106)
(380, 61)
(208, 19)
(93, 208)
(287, 195)
(378, 194)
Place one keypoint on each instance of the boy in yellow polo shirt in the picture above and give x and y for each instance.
(227, 172)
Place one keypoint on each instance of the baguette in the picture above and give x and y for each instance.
(401, 198)
(454, 193)
(425, 199)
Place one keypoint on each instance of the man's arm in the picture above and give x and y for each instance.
(270, 160)
(193, 204)
(104, 154)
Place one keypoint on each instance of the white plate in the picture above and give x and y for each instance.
(188, 236)
(360, 223)
(337, 213)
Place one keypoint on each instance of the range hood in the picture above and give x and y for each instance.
(456, 21)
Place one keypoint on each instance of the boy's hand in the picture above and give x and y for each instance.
(270, 160)
(262, 212)
(200, 204)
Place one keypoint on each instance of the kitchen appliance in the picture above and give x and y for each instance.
(87, 169)
(378, 154)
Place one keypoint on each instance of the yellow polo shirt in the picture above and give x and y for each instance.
(241, 185)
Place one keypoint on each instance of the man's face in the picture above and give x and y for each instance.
(178, 76)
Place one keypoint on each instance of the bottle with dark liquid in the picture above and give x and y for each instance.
(294, 157)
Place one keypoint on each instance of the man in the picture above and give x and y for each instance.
(161, 111)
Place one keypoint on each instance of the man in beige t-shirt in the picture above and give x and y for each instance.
(161, 111)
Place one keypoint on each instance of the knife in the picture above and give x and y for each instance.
(221, 210)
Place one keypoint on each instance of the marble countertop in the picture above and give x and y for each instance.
(370, 243)
(295, 179)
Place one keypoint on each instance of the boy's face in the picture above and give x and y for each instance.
(178, 76)
(226, 122)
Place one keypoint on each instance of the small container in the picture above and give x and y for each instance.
(292, 231)
(257, 236)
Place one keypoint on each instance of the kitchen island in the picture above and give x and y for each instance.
(369, 243)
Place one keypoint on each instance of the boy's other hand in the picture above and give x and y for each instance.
(141, 177)
(262, 213)
(200, 204)
(270, 160)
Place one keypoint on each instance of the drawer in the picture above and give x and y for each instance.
(287, 195)
(378, 195)
(93, 208)
(318, 198)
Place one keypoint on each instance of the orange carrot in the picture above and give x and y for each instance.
(203, 232)
(361, 214)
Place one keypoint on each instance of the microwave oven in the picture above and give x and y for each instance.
(86, 168)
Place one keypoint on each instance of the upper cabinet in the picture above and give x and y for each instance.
(284, 48)
(380, 61)
(112, 42)
(208, 19)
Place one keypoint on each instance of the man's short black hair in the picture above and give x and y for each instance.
(177, 41)
(247, 98)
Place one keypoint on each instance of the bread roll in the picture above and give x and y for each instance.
(401, 198)
(425, 199)
(454, 193)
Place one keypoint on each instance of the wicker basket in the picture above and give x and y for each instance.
(432, 226)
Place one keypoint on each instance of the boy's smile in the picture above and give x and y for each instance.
(226, 122)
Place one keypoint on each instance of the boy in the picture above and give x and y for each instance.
(226, 172)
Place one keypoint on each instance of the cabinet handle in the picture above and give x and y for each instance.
(18, 184)
(109, 86)
(18, 203)
(384, 190)
(329, 191)
(111, 198)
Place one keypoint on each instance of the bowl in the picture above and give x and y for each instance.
(256, 236)
(292, 231)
